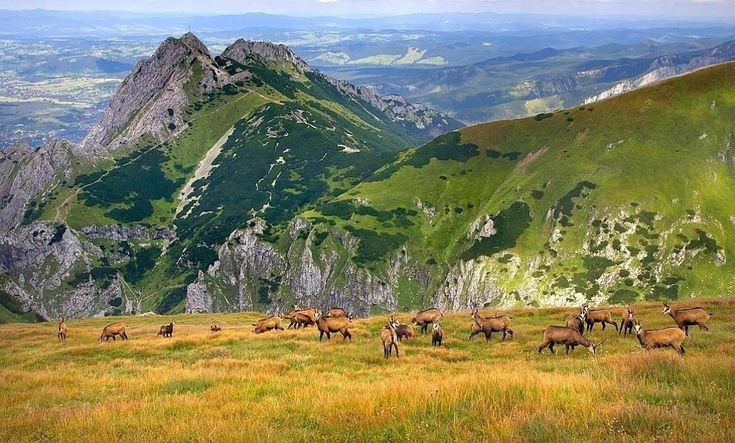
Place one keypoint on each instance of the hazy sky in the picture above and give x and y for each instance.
(693, 9)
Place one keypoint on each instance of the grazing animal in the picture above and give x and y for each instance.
(337, 312)
(569, 337)
(303, 318)
(686, 317)
(389, 338)
(592, 316)
(167, 330)
(267, 324)
(113, 330)
(488, 325)
(670, 337)
(61, 330)
(576, 322)
(405, 331)
(329, 325)
(424, 318)
(627, 322)
(437, 335)
(215, 327)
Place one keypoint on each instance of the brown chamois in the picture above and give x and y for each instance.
(329, 325)
(267, 324)
(569, 337)
(61, 330)
(437, 335)
(215, 327)
(303, 318)
(167, 330)
(592, 316)
(405, 331)
(627, 322)
(576, 321)
(424, 318)
(389, 338)
(686, 317)
(488, 325)
(337, 312)
(671, 337)
(113, 330)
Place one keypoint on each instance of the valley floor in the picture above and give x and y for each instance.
(286, 385)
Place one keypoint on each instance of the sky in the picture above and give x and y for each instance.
(692, 9)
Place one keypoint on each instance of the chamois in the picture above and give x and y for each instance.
(437, 334)
(405, 331)
(303, 318)
(593, 316)
(389, 338)
(686, 317)
(329, 325)
(167, 330)
(576, 322)
(488, 325)
(671, 337)
(61, 330)
(627, 322)
(110, 331)
(337, 312)
(215, 327)
(424, 318)
(569, 337)
(267, 324)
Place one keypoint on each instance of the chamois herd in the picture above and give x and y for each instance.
(571, 335)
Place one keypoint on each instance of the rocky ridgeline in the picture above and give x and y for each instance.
(242, 49)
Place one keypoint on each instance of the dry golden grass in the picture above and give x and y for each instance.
(234, 385)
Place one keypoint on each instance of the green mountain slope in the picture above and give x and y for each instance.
(627, 199)
(208, 146)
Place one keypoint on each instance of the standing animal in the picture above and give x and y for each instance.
(389, 338)
(113, 330)
(488, 325)
(424, 318)
(267, 324)
(576, 322)
(166, 330)
(303, 318)
(686, 317)
(437, 335)
(569, 337)
(592, 316)
(215, 327)
(671, 337)
(61, 330)
(627, 322)
(329, 325)
(337, 312)
(405, 331)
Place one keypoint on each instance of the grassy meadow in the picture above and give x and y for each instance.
(286, 385)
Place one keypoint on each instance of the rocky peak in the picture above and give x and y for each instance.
(151, 98)
(241, 49)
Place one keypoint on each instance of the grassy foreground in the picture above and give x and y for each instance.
(286, 385)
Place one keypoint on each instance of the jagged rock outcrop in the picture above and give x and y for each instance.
(134, 232)
(26, 173)
(242, 49)
(150, 100)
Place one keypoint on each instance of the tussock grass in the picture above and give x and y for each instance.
(235, 385)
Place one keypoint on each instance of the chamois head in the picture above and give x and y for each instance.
(593, 347)
(637, 327)
(436, 326)
(667, 308)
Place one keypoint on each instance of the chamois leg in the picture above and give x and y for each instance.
(543, 345)
(551, 347)
(396, 347)
(279, 327)
(679, 348)
(346, 334)
(616, 326)
(603, 325)
(566, 349)
(702, 326)
(473, 333)
(686, 330)
(488, 336)
(321, 334)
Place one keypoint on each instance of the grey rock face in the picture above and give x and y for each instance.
(25, 173)
(150, 100)
(134, 232)
(241, 49)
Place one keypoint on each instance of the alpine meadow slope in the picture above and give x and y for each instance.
(623, 200)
